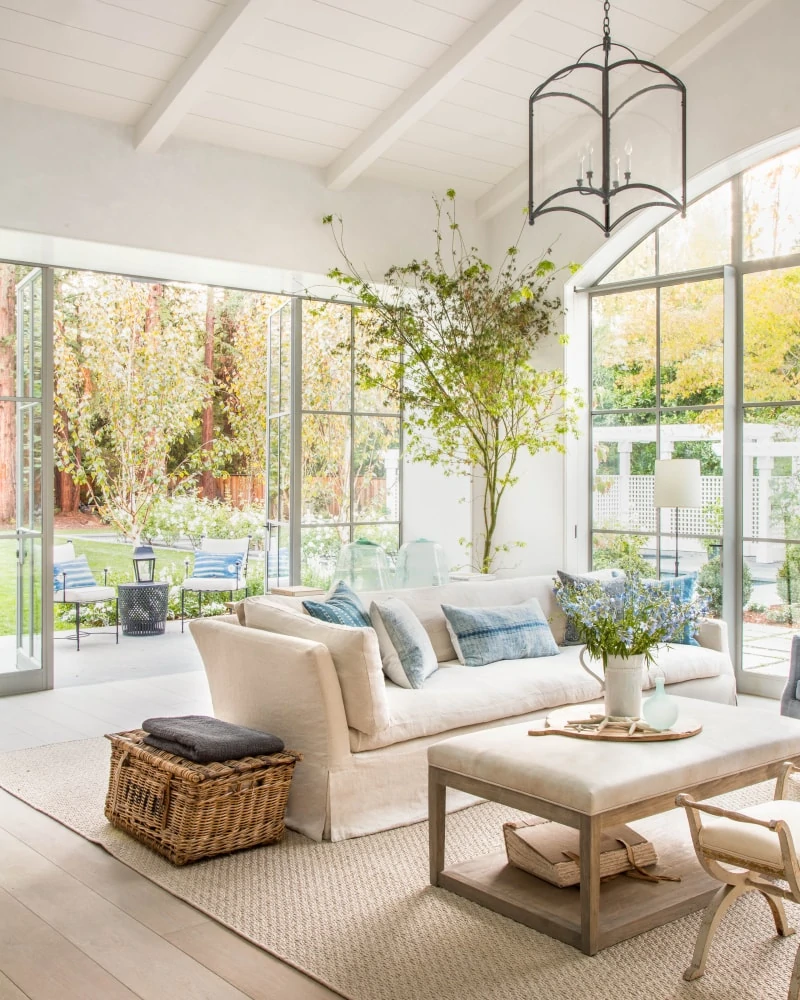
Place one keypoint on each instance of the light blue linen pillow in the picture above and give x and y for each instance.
(486, 635)
(342, 607)
(406, 652)
(77, 572)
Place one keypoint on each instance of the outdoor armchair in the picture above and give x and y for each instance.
(74, 583)
(220, 566)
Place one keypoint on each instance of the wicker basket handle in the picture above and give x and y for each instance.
(123, 758)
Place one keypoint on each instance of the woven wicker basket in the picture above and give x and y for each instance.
(549, 850)
(188, 811)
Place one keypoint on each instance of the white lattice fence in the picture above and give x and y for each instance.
(627, 502)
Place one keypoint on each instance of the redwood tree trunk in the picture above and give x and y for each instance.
(8, 431)
(207, 482)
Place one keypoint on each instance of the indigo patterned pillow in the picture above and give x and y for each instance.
(77, 572)
(616, 585)
(217, 565)
(486, 635)
(343, 607)
(682, 589)
(406, 652)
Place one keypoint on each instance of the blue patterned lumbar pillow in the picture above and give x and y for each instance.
(485, 635)
(615, 587)
(342, 607)
(77, 573)
(682, 589)
(217, 565)
(406, 652)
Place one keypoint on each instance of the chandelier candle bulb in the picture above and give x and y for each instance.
(628, 155)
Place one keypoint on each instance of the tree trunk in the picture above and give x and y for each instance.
(207, 482)
(68, 493)
(8, 429)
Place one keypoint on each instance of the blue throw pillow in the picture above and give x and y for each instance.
(217, 565)
(486, 635)
(406, 651)
(77, 572)
(343, 607)
(682, 589)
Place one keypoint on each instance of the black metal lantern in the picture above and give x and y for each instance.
(144, 563)
(583, 92)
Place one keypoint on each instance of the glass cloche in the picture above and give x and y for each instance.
(364, 565)
(421, 563)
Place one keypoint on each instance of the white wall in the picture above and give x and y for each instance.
(740, 93)
(74, 192)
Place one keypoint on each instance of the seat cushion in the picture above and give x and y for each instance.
(85, 595)
(458, 696)
(212, 584)
(355, 654)
(464, 696)
(753, 844)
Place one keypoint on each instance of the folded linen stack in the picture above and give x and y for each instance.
(204, 740)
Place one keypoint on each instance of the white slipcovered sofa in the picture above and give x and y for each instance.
(365, 739)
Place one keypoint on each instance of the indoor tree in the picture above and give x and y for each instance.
(450, 341)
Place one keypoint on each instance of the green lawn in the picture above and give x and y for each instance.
(117, 556)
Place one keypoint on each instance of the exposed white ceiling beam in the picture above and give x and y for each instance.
(690, 46)
(192, 79)
(502, 18)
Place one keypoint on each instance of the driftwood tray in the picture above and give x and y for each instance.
(591, 725)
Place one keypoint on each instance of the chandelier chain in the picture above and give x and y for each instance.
(606, 19)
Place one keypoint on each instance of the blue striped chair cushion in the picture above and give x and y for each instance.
(217, 565)
(77, 573)
(486, 635)
(343, 607)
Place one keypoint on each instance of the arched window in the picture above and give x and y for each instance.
(695, 353)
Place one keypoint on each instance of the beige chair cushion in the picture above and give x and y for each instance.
(271, 600)
(753, 844)
(355, 656)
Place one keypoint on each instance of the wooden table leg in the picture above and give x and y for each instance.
(590, 883)
(437, 795)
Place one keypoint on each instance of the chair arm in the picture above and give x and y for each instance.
(713, 634)
(275, 683)
(687, 802)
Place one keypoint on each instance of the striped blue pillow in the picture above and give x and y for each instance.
(217, 565)
(343, 607)
(77, 573)
(486, 635)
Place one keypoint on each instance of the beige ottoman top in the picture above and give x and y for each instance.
(591, 776)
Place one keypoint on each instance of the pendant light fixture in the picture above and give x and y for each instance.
(588, 142)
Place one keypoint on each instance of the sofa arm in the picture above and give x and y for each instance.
(286, 686)
(713, 634)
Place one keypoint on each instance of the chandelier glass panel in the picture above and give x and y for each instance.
(607, 137)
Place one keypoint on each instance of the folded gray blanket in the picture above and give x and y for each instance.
(204, 740)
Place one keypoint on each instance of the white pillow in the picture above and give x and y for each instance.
(355, 656)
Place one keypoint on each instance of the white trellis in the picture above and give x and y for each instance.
(624, 501)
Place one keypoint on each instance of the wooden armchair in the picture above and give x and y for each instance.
(758, 842)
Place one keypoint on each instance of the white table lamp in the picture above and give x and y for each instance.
(677, 484)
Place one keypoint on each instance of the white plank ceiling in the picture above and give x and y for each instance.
(304, 79)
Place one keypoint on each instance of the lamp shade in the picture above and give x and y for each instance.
(678, 483)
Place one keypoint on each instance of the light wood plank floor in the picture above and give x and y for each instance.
(75, 923)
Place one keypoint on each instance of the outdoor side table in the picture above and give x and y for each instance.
(143, 608)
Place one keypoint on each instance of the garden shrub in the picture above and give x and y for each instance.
(788, 580)
(623, 552)
(709, 585)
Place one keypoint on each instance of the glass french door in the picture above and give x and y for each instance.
(26, 466)
(278, 568)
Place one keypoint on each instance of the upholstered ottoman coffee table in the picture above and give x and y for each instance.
(591, 785)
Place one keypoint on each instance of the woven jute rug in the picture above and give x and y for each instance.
(361, 916)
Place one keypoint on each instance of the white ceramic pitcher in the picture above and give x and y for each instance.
(621, 683)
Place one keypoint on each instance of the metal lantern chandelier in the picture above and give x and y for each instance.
(609, 176)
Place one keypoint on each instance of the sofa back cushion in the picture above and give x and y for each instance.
(355, 654)
(426, 603)
(270, 600)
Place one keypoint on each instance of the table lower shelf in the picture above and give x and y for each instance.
(627, 906)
